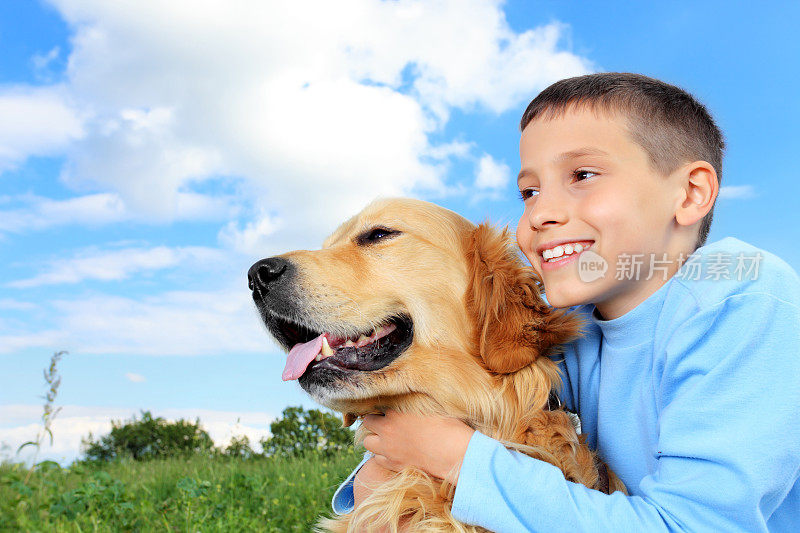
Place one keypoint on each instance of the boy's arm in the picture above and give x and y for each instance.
(392, 450)
(729, 450)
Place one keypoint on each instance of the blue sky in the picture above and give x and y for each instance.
(150, 152)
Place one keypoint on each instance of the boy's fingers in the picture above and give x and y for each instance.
(387, 463)
(371, 443)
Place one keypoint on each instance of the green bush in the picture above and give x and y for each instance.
(148, 438)
(239, 447)
(298, 432)
(102, 496)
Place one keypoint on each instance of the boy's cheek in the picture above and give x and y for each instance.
(524, 244)
(533, 260)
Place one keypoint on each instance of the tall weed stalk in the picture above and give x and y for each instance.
(53, 380)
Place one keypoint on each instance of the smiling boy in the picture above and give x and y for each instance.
(686, 380)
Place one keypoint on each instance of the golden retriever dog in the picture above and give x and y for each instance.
(412, 307)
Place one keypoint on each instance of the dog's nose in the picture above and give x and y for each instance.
(265, 272)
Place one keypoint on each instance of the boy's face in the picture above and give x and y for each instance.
(587, 186)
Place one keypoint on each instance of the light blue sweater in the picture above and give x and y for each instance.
(691, 398)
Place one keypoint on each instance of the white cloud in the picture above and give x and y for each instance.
(255, 238)
(116, 265)
(135, 378)
(38, 213)
(15, 305)
(215, 316)
(491, 174)
(729, 192)
(35, 121)
(21, 423)
(173, 323)
(21, 340)
(42, 61)
(317, 106)
(451, 149)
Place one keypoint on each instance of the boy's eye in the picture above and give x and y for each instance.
(527, 193)
(581, 175)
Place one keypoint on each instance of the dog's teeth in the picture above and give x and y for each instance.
(326, 349)
(363, 340)
(349, 343)
(318, 357)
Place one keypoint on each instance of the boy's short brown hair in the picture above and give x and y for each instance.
(666, 121)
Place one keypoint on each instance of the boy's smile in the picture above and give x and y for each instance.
(587, 185)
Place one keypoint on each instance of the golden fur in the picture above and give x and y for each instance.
(480, 334)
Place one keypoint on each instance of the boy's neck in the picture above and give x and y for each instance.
(633, 293)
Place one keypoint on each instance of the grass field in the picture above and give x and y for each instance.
(192, 494)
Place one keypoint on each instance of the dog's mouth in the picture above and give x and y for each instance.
(312, 351)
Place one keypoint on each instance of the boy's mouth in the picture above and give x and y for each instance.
(553, 252)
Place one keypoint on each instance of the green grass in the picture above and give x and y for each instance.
(175, 494)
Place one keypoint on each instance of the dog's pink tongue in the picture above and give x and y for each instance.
(300, 356)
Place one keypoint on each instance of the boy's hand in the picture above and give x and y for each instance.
(369, 476)
(434, 444)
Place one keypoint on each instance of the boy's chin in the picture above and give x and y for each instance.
(566, 297)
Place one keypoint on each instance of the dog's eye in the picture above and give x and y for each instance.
(375, 234)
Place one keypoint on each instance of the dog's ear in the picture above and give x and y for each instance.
(513, 323)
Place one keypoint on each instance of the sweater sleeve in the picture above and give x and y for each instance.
(728, 447)
(343, 500)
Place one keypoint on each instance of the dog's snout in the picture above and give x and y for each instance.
(266, 272)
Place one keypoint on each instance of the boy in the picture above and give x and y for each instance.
(686, 380)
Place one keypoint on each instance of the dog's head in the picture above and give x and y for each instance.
(406, 298)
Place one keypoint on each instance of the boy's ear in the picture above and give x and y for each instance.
(700, 189)
(513, 324)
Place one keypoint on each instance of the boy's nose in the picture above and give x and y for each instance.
(549, 210)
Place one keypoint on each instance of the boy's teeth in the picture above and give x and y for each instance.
(563, 250)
